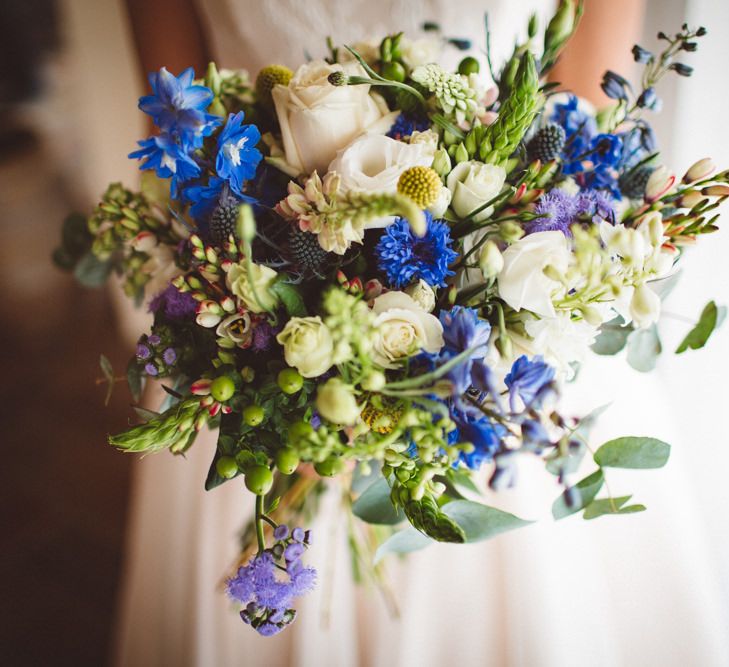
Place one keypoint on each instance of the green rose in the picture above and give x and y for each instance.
(254, 290)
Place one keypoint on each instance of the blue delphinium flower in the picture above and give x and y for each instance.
(406, 124)
(403, 257)
(580, 127)
(238, 156)
(177, 106)
(463, 329)
(168, 159)
(267, 594)
(526, 379)
(482, 433)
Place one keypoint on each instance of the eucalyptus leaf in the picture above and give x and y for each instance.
(633, 452)
(644, 347)
(375, 506)
(587, 423)
(711, 317)
(134, 379)
(106, 368)
(290, 297)
(605, 506)
(481, 522)
(91, 271)
(404, 541)
(612, 337)
(587, 488)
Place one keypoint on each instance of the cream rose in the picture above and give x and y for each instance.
(472, 185)
(317, 119)
(247, 288)
(308, 345)
(403, 328)
(522, 282)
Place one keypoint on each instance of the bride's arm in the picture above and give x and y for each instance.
(603, 40)
(168, 33)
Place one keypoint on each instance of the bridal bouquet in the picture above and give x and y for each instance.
(376, 269)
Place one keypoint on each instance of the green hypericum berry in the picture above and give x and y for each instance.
(329, 467)
(287, 460)
(259, 480)
(393, 71)
(469, 65)
(222, 388)
(300, 430)
(226, 467)
(253, 415)
(290, 381)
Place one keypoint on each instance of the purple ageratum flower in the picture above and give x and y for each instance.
(168, 159)
(177, 106)
(597, 205)
(526, 379)
(263, 335)
(557, 211)
(238, 157)
(174, 304)
(403, 257)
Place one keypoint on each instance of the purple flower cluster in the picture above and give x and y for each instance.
(175, 305)
(558, 210)
(268, 584)
(156, 354)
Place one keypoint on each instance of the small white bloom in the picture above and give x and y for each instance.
(403, 328)
(472, 184)
(308, 345)
(252, 291)
(423, 294)
(417, 52)
(522, 282)
(645, 306)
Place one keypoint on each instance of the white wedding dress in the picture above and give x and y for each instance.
(646, 589)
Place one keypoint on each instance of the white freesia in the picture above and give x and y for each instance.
(308, 345)
(472, 184)
(317, 119)
(403, 328)
(522, 281)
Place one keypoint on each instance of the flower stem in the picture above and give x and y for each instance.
(259, 524)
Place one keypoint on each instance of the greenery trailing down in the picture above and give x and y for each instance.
(502, 137)
(710, 319)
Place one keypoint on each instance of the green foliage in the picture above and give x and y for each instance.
(611, 506)
(633, 452)
(91, 271)
(481, 522)
(612, 337)
(587, 488)
(710, 319)
(108, 372)
(135, 379)
(375, 506)
(75, 242)
(402, 542)
(428, 518)
(290, 297)
(644, 347)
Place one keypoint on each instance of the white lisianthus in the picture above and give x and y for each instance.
(403, 328)
(317, 119)
(472, 184)
(374, 162)
(308, 345)
(522, 281)
(253, 291)
(417, 52)
(560, 340)
(423, 294)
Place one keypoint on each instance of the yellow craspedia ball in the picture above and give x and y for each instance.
(421, 184)
(268, 77)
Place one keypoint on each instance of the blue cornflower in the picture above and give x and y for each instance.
(526, 379)
(405, 124)
(403, 257)
(238, 156)
(168, 159)
(178, 107)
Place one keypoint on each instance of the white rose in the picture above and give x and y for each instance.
(423, 294)
(403, 329)
(308, 345)
(522, 283)
(253, 291)
(317, 119)
(472, 185)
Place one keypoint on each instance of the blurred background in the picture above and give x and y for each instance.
(68, 118)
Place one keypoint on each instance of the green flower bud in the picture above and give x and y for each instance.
(469, 65)
(510, 231)
(442, 163)
(490, 260)
(461, 153)
(336, 402)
